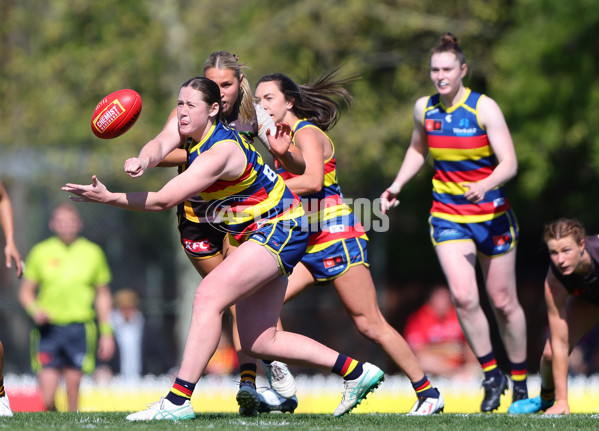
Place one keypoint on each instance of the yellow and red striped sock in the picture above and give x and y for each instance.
(347, 367)
(519, 374)
(424, 389)
(180, 392)
(489, 365)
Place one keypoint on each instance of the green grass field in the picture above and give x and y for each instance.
(105, 406)
(370, 421)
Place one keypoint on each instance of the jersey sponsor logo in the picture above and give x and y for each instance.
(338, 228)
(433, 125)
(446, 234)
(448, 118)
(109, 115)
(333, 261)
(196, 246)
(458, 131)
(498, 202)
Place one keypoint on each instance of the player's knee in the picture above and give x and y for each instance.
(506, 306)
(372, 329)
(466, 303)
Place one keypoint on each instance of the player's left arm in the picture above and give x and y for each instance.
(103, 306)
(282, 148)
(311, 142)
(500, 139)
(555, 299)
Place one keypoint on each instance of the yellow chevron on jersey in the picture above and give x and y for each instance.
(189, 213)
(467, 218)
(457, 154)
(252, 211)
(447, 187)
(231, 189)
(257, 195)
(330, 178)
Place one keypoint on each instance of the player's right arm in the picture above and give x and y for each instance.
(413, 161)
(555, 298)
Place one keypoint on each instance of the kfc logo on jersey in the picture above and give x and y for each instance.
(331, 262)
(196, 246)
(433, 125)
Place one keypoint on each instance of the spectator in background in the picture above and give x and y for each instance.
(140, 346)
(435, 335)
(65, 291)
(12, 256)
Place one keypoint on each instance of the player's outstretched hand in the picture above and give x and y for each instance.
(94, 192)
(388, 200)
(280, 141)
(135, 167)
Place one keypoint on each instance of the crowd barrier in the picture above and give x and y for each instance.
(316, 394)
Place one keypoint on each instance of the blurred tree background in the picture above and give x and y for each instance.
(537, 58)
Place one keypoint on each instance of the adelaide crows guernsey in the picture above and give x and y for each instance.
(330, 219)
(257, 197)
(195, 210)
(461, 154)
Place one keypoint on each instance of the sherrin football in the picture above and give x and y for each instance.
(116, 113)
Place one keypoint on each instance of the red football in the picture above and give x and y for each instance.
(116, 113)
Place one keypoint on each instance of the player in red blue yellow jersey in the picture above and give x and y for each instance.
(202, 237)
(473, 154)
(337, 239)
(337, 245)
(268, 222)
